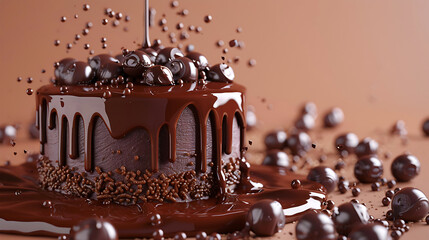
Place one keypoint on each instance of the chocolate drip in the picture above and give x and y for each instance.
(150, 108)
(146, 41)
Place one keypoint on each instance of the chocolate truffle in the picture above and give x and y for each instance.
(299, 143)
(167, 54)
(305, 122)
(367, 146)
(275, 139)
(105, 67)
(277, 158)
(199, 59)
(183, 68)
(346, 142)
(309, 108)
(370, 231)
(93, 229)
(72, 72)
(348, 215)
(405, 167)
(314, 226)
(266, 217)
(136, 62)
(221, 73)
(425, 127)
(334, 117)
(157, 76)
(410, 204)
(325, 176)
(368, 169)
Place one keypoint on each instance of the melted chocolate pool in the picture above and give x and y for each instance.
(27, 209)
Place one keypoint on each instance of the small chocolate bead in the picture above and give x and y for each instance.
(333, 118)
(405, 167)
(375, 186)
(386, 201)
(355, 191)
(295, 184)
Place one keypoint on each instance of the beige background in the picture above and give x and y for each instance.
(368, 57)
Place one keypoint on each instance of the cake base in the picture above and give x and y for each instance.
(27, 209)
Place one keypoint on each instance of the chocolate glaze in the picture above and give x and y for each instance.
(32, 217)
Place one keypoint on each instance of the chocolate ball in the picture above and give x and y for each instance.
(315, 226)
(370, 231)
(199, 59)
(275, 139)
(368, 169)
(71, 72)
(153, 53)
(410, 204)
(334, 117)
(105, 66)
(167, 54)
(299, 143)
(405, 167)
(309, 108)
(221, 73)
(305, 122)
(348, 215)
(276, 158)
(157, 76)
(136, 62)
(367, 146)
(93, 229)
(183, 68)
(325, 176)
(266, 217)
(346, 142)
(425, 127)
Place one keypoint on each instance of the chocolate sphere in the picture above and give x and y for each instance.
(277, 158)
(136, 62)
(275, 139)
(346, 142)
(266, 217)
(370, 231)
(167, 54)
(93, 229)
(183, 68)
(199, 59)
(309, 108)
(151, 52)
(157, 76)
(299, 143)
(368, 169)
(425, 127)
(305, 122)
(72, 72)
(334, 117)
(410, 204)
(105, 67)
(221, 73)
(367, 146)
(325, 176)
(405, 167)
(348, 215)
(313, 226)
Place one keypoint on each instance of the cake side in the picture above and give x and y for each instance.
(158, 143)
